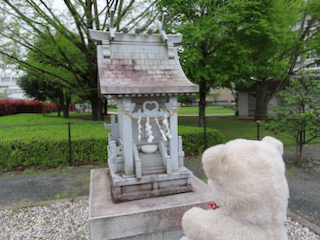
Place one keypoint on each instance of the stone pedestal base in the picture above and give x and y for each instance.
(158, 217)
(152, 185)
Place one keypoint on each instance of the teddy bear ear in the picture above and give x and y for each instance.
(275, 142)
(212, 160)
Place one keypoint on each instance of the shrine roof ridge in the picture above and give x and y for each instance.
(96, 35)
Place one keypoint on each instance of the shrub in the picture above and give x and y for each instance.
(192, 138)
(50, 152)
(53, 152)
(9, 107)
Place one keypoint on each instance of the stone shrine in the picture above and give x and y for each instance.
(143, 72)
(145, 154)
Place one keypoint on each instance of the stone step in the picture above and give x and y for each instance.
(152, 163)
(146, 156)
(151, 159)
(154, 171)
(158, 167)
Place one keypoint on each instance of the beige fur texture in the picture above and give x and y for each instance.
(248, 181)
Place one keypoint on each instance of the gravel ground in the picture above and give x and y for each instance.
(69, 220)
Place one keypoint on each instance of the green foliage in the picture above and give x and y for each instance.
(264, 32)
(195, 110)
(58, 44)
(231, 128)
(300, 113)
(59, 56)
(35, 118)
(236, 39)
(192, 138)
(187, 99)
(230, 41)
(53, 153)
(38, 89)
(296, 35)
(48, 145)
(29, 170)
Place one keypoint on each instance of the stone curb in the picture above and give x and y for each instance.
(32, 204)
(295, 217)
(313, 227)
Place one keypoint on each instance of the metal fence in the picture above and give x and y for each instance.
(52, 144)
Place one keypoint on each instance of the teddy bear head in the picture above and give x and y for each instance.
(248, 180)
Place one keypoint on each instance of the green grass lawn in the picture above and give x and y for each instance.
(35, 118)
(48, 126)
(209, 110)
(195, 110)
(42, 139)
(71, 113)
(229, 126)
(233, 128)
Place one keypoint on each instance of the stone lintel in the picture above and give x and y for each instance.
(96, 35)
(157, 88)
(110, 220)
(107, 96)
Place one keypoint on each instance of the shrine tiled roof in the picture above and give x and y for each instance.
(141, 64)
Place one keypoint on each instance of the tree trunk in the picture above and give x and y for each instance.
(67, 107)
(96, 103)
(61, 100)
(95, 95)
(299, 147)
(262, 101)
(58, 109)
(105, 106)
(202, 103)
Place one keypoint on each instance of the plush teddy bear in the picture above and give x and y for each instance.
(251, 193)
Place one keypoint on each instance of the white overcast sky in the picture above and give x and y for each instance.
(59, 5)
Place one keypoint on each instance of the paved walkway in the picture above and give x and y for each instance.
(19, 189)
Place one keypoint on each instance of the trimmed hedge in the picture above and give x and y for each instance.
(50, 152)
(192, 138)
(44, 152)
(8, 107)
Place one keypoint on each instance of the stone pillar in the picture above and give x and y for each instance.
(126, 137)
(173, 142)
(119, 107)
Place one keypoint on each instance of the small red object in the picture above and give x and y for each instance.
(213, 205)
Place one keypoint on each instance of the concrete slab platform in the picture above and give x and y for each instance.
(140, 218)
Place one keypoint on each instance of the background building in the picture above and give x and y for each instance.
(8, 84)
(220, 96)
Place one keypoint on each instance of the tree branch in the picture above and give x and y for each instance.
(123, 13)
(65, 83)
(142, 14)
